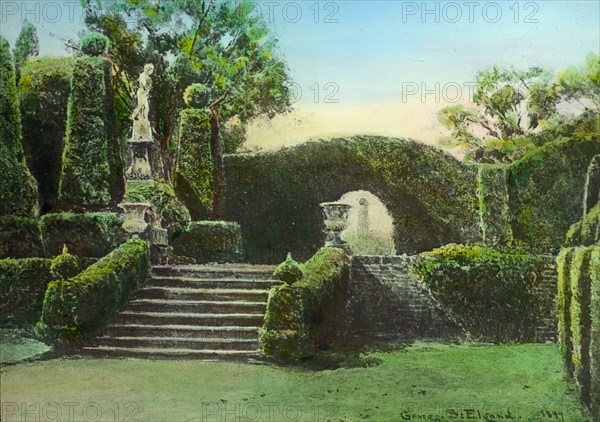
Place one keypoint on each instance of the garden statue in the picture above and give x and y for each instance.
(141, 124)
(336, 221)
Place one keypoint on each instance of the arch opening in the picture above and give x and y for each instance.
(370, 228)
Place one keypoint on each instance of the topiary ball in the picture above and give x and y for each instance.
(195, 95)
(65, 266)
(94, 44)
(288, 271)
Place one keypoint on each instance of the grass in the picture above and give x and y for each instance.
(419, 382)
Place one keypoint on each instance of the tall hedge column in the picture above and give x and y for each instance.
(18, 188)
(90, 157)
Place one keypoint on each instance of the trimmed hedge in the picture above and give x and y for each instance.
(44, 95)
(580, 319)
(275, 195)
(595, 331)
(77, 307)
(20, 237)
(18, 188)
(494, 212)
(585, 232)
(297, 314)
(92, 162)
(86, 234)
(546, 191)
(23, 283)
(563, 301)
(174, 215)
(194, 163)
(495, 293)
(210, 241)
(94, 44)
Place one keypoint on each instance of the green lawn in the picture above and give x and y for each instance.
(421, 382)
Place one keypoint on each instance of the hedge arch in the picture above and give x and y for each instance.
(275, 195)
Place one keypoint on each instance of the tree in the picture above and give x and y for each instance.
(513, 108)
(26, 46)
(224, 46)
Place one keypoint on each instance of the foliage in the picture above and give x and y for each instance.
(20, 237)
(492, 291)
(18, 189)
(94, 44)
(92, 162)
(586, 231)
(546, 188)
(288, 271)
(194, 163)
(78, 306)
(595, 329)
(563, 301)
(223, 45)
(91, 234)
(65, 266)
(22, 286)
(174, 215)
(494, 212)
(44, 94)
(275, 195)
(210, 241)
(296, 313)
(26, 46)
(580, 282)
(194, 95)
(515, 111)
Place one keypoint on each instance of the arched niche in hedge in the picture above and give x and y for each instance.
(275, 195)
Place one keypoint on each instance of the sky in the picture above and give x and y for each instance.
(382, 67)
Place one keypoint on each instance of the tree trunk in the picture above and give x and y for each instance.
(216, 146)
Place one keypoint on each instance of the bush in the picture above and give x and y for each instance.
(275, 195)
(586, 232)
(23, 283)
(20, 237)
(210, 241)
(194, 163)
(92, 162)
(595, 331)
(85, 234)
(44, 94)
(65, 266)
(546, 191)
(494, 292)
(94, 44)
(296, 314)
(563, 301)
(288, 271)
(18, 189)
(175, 216)
(580, 319)
(79, 306)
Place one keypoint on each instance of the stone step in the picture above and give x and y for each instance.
(190, 318)
(211, 283)
(189, 293)
(188, 331)
(156, 342)
(158, 353)
(216, 271)
(196, 306)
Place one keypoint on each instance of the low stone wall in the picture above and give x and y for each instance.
(385, 302)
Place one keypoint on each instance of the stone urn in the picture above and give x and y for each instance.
(336, 221)
(134, 220)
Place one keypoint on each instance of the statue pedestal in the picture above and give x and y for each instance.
(336, 221)
(139, 156)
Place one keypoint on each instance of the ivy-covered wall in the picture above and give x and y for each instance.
(546, 190)
(20, 237)
(194, 164)
(18, 188)
(275, 196)
(92, 161)
(586, 231)
(44, 94)
(210, 241)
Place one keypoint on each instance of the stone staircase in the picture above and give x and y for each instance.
(208, 312)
